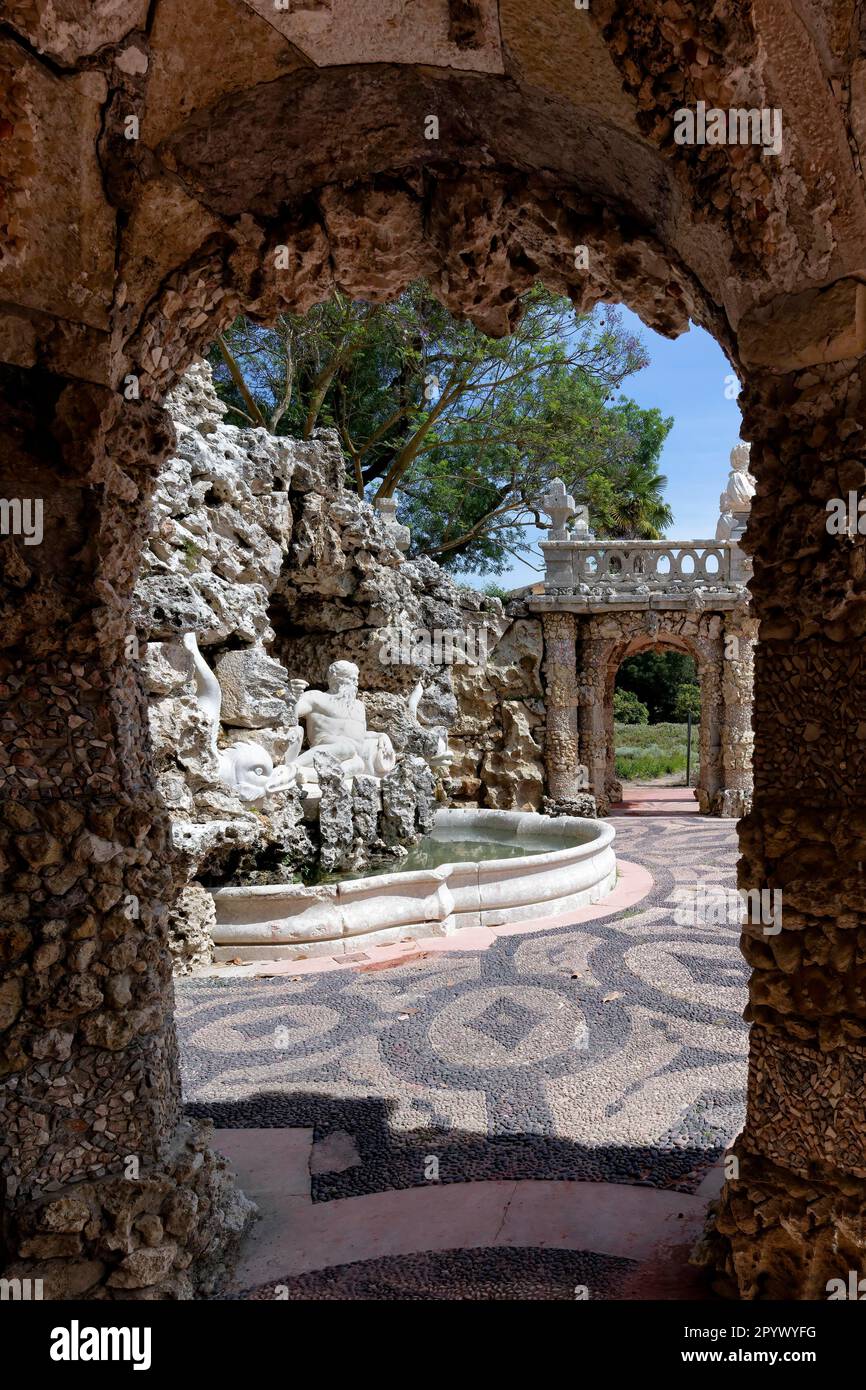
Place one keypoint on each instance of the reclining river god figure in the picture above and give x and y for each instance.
(336, 723)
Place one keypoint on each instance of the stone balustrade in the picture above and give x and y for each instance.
(595, 574)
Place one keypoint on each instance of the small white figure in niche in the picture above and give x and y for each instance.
(441, 759)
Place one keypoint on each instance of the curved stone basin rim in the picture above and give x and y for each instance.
(291, 920)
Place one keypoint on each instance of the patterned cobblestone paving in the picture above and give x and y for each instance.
(477, 1275)
(609, 1051)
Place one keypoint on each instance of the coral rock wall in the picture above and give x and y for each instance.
(257, 547)
(106, 1190)
(498, 736)
(795, 1216)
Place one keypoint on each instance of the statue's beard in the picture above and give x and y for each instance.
(345, 699)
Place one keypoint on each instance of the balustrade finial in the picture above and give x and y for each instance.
(560, 507)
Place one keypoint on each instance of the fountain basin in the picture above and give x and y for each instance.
(292, 921)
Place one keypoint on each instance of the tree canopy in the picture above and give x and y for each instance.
(656, 679)
(688, 702)
(469, 430)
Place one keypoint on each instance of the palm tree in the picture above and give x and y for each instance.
(638, 509)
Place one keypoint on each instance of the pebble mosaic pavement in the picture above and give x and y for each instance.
(610, 1051)
(460, 1275)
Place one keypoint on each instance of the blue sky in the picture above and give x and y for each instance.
(685, 379)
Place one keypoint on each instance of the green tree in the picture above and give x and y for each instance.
(469, 429)
(688, 701)
(625, 496)
(628, 709)
(655, 677)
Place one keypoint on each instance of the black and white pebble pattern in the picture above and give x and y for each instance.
(609, 1051)
(483, 1275)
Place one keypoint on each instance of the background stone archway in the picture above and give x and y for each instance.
(701, 650)
(724, 786)
(122, 258)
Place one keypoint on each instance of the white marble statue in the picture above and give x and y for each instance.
(336, 723)
(441, 759)
(246, 768)
(737, 496)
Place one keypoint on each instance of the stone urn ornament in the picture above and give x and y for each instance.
(560, 507)
(387, 509)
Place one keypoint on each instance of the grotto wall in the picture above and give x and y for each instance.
(107, 1189)
(498, 736)
(795, 1213)
(258, 548)
(125, 256)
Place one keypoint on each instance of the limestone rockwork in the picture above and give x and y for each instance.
(498, 736)
(153, 185)
(264, 566)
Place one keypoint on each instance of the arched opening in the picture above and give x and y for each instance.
(528, 170)
(661, 757)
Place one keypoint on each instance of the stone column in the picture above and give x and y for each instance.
(735, 798)
(706, 648)
(595, 719)
(565, 794)
(794, 1214)
(612, 786)
(107, 1188)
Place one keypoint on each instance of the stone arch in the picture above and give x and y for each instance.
(126, 253)
(706, 656)
(604, 642)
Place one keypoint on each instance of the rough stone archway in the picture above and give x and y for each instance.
(589, 630)
(152, 188)
(724, 785)
(705, 651)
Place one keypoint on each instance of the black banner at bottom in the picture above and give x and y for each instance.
(224, 1339)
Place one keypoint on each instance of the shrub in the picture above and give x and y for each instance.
(496, 591)
(644, 752)
(655, 677)
(628, 709)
